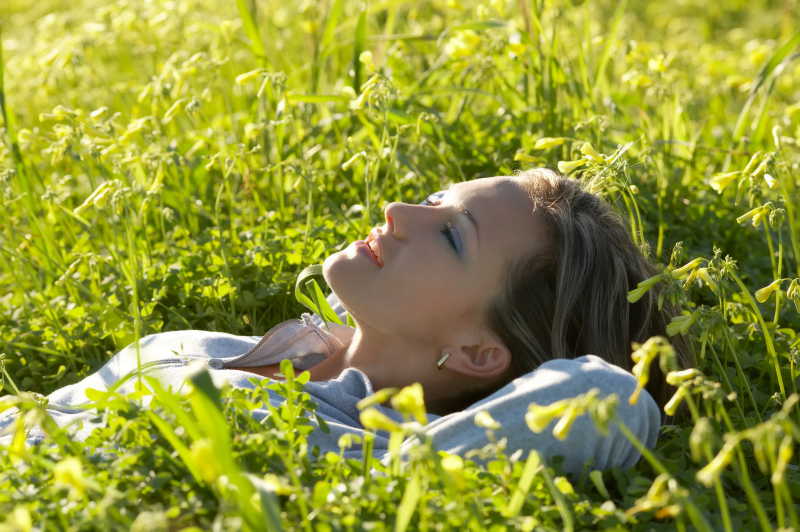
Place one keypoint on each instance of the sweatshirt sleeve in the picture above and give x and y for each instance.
(552, 381)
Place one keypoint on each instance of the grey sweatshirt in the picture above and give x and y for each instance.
(173, 356)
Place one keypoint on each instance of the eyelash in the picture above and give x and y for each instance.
(447, 231)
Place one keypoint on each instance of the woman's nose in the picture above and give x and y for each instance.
(398, 217)
(390, 213)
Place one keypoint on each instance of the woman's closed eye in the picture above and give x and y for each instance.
(449, 232)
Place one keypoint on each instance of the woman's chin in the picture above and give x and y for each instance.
(349, 262)
(336, 271)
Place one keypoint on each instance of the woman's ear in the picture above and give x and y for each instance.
(487, 360)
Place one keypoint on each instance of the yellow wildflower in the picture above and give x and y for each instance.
(565, 167)
(762, 294)
(545, 143)
(464, 44)
(720, 181)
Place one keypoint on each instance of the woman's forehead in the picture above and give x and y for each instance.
(506, 189)
(501, 204)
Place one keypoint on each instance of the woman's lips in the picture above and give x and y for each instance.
(375, 244)
(363, 247)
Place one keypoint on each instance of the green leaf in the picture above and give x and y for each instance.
(315, 301)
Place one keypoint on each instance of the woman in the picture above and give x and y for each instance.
(485, 294)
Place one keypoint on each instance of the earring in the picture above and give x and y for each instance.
(442, 360)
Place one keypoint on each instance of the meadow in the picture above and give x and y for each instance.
(175, 164)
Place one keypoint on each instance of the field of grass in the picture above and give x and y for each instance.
(175, 164)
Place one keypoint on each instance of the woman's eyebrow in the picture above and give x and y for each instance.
(469, 215)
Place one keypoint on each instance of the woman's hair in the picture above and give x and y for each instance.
(570, 299)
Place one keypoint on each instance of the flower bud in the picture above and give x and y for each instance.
(379, 397)
(485, 420)
(588, 150)
(785, 452)
(452, 463)
(762, 294)
(565, 167)
(538, 416)
(753, 162)
(683, 271)
(712, 471)
(603, 411)
(673, 404)
(69, 472)
(409, 401)
(793, 293)
(720, 182)
(564, 486)
(679, 377)
(545, 143)
(644, 355)
(464, 44)
(755, 215)
(173, 110)
(366, 58)
(561, 430)
(348, 440)
(702, 274)
(19, 519)
(241, 79)
(372, 419)
(349, 162)
(203, 457)
(760, 169)
(700, 438)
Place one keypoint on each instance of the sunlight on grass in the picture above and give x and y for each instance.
(176, 165)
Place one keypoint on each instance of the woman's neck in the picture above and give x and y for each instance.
(393, 362)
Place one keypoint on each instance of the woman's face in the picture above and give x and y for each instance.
(442, 263)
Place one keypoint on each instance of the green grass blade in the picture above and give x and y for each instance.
(170, 435)
(775, 59)
(608, 46)
(170, 403)
(8, 116)
(251, 29)
(334, 15)
(532, 465)
(360, 42)
(207, 406)
(408, 504)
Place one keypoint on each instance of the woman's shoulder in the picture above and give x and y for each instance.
(192, 342)
(552, 381)
(561, 378)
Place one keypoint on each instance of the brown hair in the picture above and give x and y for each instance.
(571, 299)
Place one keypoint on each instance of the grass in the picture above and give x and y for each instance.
(174, 165)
